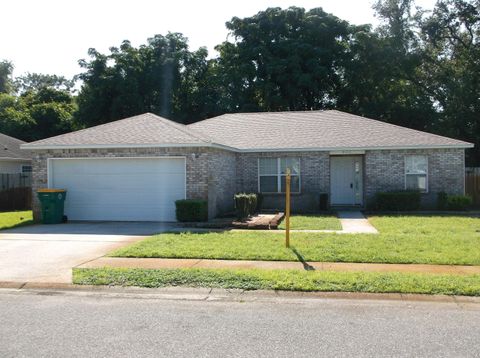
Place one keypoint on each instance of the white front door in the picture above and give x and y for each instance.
(346, 184)
(119, 189)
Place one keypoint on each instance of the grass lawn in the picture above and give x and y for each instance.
(313, 222)
(12, 219)
(283, 280)
(402, 239)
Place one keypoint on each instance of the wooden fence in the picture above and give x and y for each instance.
(15, 192)
(472, 184)
(21, 180)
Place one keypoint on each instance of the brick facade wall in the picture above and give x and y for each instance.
(215, 175)
(197, 163)
(385, 171)
(314, 178)
(222, 182)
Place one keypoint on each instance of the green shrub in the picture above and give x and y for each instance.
(398, 201)
(323, 202)
(245, 205)
(442, 200)
(259, 202)
(191, 210)
(458, 202)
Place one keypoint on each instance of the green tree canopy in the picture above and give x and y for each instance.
(284, 59)
(161, 77)
(35, 81)
(6, 69)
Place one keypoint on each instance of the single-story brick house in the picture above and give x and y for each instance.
(135, 168)
(13, 160)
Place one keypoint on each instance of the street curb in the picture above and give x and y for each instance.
(219, 294)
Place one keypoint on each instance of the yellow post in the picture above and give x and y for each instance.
(287, 209)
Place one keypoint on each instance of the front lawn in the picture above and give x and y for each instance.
(283, 280)
(450, 240)
(12, 219)
(313, 222)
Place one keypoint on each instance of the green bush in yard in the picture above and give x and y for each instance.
(323, 201)
(245, 205)
(442, 200)
(398, 201)
(259, 202)
(458, 202)
(191, 210)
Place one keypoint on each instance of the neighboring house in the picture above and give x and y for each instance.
(13, 160)
(135, 168)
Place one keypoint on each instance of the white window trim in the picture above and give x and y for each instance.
(279, 176)
(426, 174)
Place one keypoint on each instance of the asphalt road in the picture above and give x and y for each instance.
(72, 324)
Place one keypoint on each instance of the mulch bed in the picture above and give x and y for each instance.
(260, 222)
(257, 222)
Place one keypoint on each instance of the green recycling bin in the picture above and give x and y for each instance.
(52, 202)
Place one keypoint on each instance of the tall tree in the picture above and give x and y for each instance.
(6, 69)
(36, 114)
(162, 77)
(380, 73)
(284, 59)
(35, 81)
(451, 70)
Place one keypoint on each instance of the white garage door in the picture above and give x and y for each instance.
(120, 189)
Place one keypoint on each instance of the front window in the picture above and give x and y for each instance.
(272, 173)
(416, 171)
(26, 168)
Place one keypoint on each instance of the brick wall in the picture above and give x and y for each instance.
(222, 182)
(197, 160)
(314, 178)
(385, 171)
(215, 175)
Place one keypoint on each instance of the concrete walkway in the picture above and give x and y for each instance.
(353, 222)
(156, 263)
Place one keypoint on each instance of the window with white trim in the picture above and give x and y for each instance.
(26, 168)
(416, 173)
(272, 173)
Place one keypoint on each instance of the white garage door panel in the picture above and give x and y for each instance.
(135, 182)
(132, 189)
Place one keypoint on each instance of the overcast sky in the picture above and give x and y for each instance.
(50, 36)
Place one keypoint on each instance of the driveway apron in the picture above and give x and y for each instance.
(47, 253)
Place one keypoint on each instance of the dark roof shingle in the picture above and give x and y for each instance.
(143, 129)
(322, 130)
(329, 129)
(10, 148)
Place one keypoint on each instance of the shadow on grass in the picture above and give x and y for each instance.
(20, 224)
(300, 258)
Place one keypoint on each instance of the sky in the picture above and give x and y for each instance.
(50, 36)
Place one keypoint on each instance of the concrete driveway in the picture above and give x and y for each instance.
(47, 253)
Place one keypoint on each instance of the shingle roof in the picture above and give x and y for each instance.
(330, 129)
(327, 130)
(143, 129)
(10, 148)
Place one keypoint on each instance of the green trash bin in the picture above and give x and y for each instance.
(52, 202)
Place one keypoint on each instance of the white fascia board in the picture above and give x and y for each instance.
(116, 146)
(357, 149)
(253, 150)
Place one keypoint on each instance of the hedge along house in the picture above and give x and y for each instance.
(134, 169)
